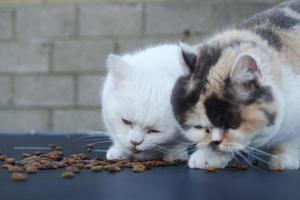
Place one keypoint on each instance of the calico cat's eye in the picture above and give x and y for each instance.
(152, 131)
(198, 127)
(127, 122)
(250, 85)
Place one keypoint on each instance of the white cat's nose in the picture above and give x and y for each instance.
(135, 143)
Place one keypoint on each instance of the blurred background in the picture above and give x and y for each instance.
(52, 52)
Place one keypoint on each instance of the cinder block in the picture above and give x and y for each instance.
(5, 90)
(44, 91)
(232, 13)
(77, 120)
(36, 22)
(111, 19)
(132, 45)
(176, 18)
(81, 55)
(6, 23)
(89, 87)
(23, 120)
(23, 57)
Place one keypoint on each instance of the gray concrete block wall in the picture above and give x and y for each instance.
(52, 55)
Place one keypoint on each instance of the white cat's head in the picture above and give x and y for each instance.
(135, 99)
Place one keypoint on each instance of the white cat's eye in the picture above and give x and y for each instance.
(198, 127)
(127, 122)
(152, 131)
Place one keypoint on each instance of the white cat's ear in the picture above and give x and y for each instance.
(189, 56)
(246, 68)
(117, 66)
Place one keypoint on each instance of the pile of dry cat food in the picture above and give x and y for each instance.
(55, 159)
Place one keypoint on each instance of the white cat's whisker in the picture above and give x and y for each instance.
(83, 137)
(101, 142)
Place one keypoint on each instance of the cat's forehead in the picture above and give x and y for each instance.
(198, 116)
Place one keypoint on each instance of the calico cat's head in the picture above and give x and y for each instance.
(227, 101)
(136, 106)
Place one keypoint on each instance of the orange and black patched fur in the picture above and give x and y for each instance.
(242, 91)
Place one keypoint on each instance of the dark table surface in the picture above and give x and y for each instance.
(178, 182)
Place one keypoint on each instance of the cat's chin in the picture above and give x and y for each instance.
(135, 151)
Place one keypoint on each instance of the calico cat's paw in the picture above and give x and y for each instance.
(202, 159)
(284, 161)
(116, 153)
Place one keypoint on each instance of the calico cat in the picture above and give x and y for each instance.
(242, 91)
(136, 107)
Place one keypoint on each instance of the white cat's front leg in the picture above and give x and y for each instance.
(286, 156)
(176, 154)
(204, 158)
(117, 152)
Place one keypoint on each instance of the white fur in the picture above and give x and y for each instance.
(138, 88)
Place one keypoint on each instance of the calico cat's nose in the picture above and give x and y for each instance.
(215, 143)
(135, 143)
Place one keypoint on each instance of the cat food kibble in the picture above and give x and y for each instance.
(72, 164)
(276, 169)
(31, 169)
(67, 175)
(139, 168)
(16, 176)
(211, 169)
(97, 168)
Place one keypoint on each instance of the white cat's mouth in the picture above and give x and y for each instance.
(134, 150)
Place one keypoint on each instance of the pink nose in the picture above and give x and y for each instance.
(135, 143)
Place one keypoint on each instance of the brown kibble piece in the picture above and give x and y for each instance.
(16, 176)
(114, 168)
(12, 169)
(211, 169)
(10, 161)
(3, 157)
(25, 155)
(67, 175)
(254, 162)
(98, 168)
(139, 168)
(276, 169)
(72, 169)
(31, 169)
(232, 165)
(243, 167)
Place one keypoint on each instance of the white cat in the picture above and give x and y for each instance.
(136, 106)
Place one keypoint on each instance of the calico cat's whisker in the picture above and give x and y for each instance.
(247, 160)
(262, 152)
(252, 154)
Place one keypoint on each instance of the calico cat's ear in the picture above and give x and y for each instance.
(189, 56)
(117, 66)
(246, 68)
